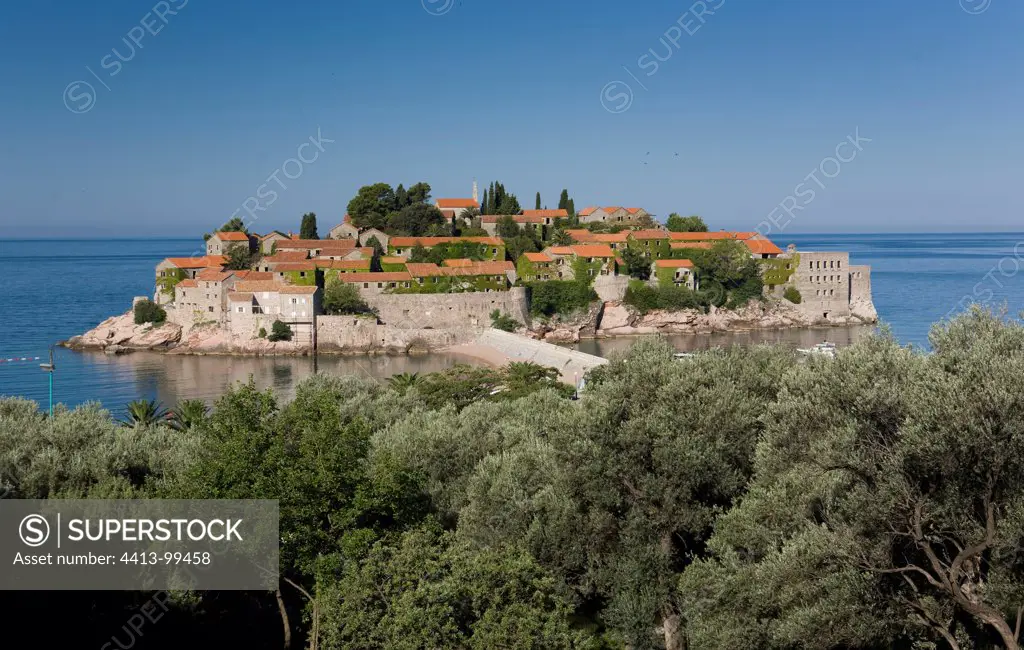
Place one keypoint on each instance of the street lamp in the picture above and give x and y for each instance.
(50, 367)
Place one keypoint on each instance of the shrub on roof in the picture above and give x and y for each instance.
(147, 311)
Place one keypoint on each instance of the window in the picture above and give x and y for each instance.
(366, 285)
(302, 274)
(211, 308)
(241, 310)
(295, 301)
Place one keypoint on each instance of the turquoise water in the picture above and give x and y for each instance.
(54, 289)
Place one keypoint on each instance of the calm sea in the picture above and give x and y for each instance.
(54, 289)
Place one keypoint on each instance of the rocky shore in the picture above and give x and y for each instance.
(120, 335)
(615, 318)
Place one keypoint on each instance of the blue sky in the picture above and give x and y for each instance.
(752, 100)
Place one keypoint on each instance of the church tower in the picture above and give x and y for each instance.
(476, 192)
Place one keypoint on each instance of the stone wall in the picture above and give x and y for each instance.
(451, 310)
(861, 304)
(823, 280)
(355, 335)
(611, 288)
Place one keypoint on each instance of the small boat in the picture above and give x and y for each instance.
(684, 355)
(826, 348)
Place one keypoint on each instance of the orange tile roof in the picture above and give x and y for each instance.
(586, 212)
(299, 290)
(518, 218)
(611, 237)
(633, 210)
(674, 264)
(539, 257)
(679, 245)
(547, 214)
(762, 247)
(253, 276)
(457, 203)
(409, 242)
(611, 209)
(289, 267)
(649, 234)
(272, 233)
(712, 236)
(580, 234)
(393, 260)
(213, 275)
(344, 265)
(593, 250)
(187, 284)
(458, 263)
(487, 268)
(393, 276)
(231, 236)
(263, 286)
(322, 244)
(560, 250)
(207, 261)
(286, 256)
(423, 269)
(236, 296)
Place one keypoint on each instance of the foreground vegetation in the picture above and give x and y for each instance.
(735, 500)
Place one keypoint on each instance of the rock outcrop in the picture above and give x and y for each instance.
(120, 335)
(619, 319)
(568, 330)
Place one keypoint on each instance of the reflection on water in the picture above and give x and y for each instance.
(800, 338)
(117, 380)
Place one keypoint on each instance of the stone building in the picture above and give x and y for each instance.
(173, 270)
(344, 230)
(830, 287)
(612, 214)
(678, 273)
(220, 243)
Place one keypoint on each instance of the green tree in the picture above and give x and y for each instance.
(234, 224)
(693, 223)
(419, 254)
(571, 209)
(308, 228)
(563, 200)
(792, 294)
(638, 263)
(416, 219)
(280, 331)
(378, 248)
(188, 414)
(239, 258)
(889, 485)
(344, 298)
(401, 197)
(537, 204)
(503, 322)
(403, 381)
(419, 193)
(147, 311)
(143, 413)
(509, 205)
(507, 228)
(372, 205)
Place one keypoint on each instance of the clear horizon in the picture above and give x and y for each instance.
(899, 117)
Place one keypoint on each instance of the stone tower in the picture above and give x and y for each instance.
(476, 192)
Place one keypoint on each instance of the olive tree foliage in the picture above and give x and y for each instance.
(84, 453)
(888, 504)
(428, 590)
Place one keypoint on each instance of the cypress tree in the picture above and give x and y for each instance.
(483, 204)
(538, 200)
(570, 207)
(563, 201)
(307, 230)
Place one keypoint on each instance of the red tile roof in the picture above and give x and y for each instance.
(393, 260)
(457, 203)
(611, 237)
(674, 264)
(290, 267)
(321, 244)
(539, 257)
(287, 256)
(580, 234)
(762, 247)
(424, 269)
(344, 265)
(458, 263)
(476, 268)
(207, 261)
(236, 296)
(547, 214)
(679, 245)
(715, 235)
(649, 234)
(560, 250)
(393, 276)
(409, 242)
(186, 284)
(299, 290)
(263, 286)
(593, 250)
(518, 218)
(213, 275)
(586, 212)
(253, 276)
(231, 236)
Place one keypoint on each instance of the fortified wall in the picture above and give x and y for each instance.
(451, 310)
(358, 335)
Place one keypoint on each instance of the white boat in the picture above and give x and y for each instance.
(826, 348)
(684, 355)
